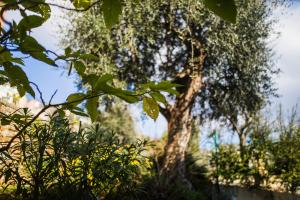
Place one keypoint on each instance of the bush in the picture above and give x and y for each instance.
(50, 160)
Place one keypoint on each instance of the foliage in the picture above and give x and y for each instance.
(33, 13)
(51, 160)
(271, 156)
(221, 67)
(118, 119)
(165, 47)
(286, 160)
(227, 164)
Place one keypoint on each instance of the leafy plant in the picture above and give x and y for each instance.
(50, 160)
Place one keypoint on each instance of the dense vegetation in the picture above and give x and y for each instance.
(270, 157)
(224, 69)
(191, 61)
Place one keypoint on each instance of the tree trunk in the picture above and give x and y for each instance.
(179, 131)
(242, 144)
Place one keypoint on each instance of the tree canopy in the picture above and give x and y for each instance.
(222, 68)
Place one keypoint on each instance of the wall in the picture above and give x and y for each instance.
(238, 193)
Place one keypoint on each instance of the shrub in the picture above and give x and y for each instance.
(50, 160)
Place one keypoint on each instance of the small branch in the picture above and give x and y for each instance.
(39, 91)
(52, 97)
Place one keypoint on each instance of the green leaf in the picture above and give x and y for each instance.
(5, 122)
(92, 108)
(112, 10)
(159, 97)
(39, 7)
(102, 81)
(172, 91)
(68, 51)
(30, 45)
(81, 3)
(61, 113)
(43, 57)
(78, 111)
(79, 67)
(226, 9)
(127, 96)
(5, 56)
(101, 85)
(150, 107)
(45, 11)
(76, 98)
(30, 22)
(89, 57)
(19, 78)
(21, 90)
(29, 89)
(90, 79)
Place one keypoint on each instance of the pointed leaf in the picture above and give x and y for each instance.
(92, 108)
(30, 22)
(79, 67)
(76, 98)
(150, 107)
(159, 97)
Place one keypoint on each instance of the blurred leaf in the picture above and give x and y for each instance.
(89, 57)
(30, 22)
(172, 91)
(92, 108)
(81, 3)
(159, 97)
(79, 111)
(76, 98)
(150, 107)
(101, 85)
(112, 10)
(127, 96)
(102, 81)
(30, 45)
(18, 77)
(39, 7)
(43, 57)
(68, 51)
(5, 122)
(79, 67)
(226, 9)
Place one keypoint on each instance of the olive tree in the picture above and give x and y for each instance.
(222, 68)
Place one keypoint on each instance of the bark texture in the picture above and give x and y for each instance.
(179, 131)
(179, 116)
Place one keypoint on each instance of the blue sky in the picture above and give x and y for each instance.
(287, 47)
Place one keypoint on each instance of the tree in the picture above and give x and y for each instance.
(16, 37)
(285, 151)
(215, 62)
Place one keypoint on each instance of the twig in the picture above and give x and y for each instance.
(40, 92)
(52, 97)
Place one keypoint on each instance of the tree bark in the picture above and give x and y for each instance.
(179, 131)
(242, 144)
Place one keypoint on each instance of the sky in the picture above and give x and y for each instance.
(287, 48)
